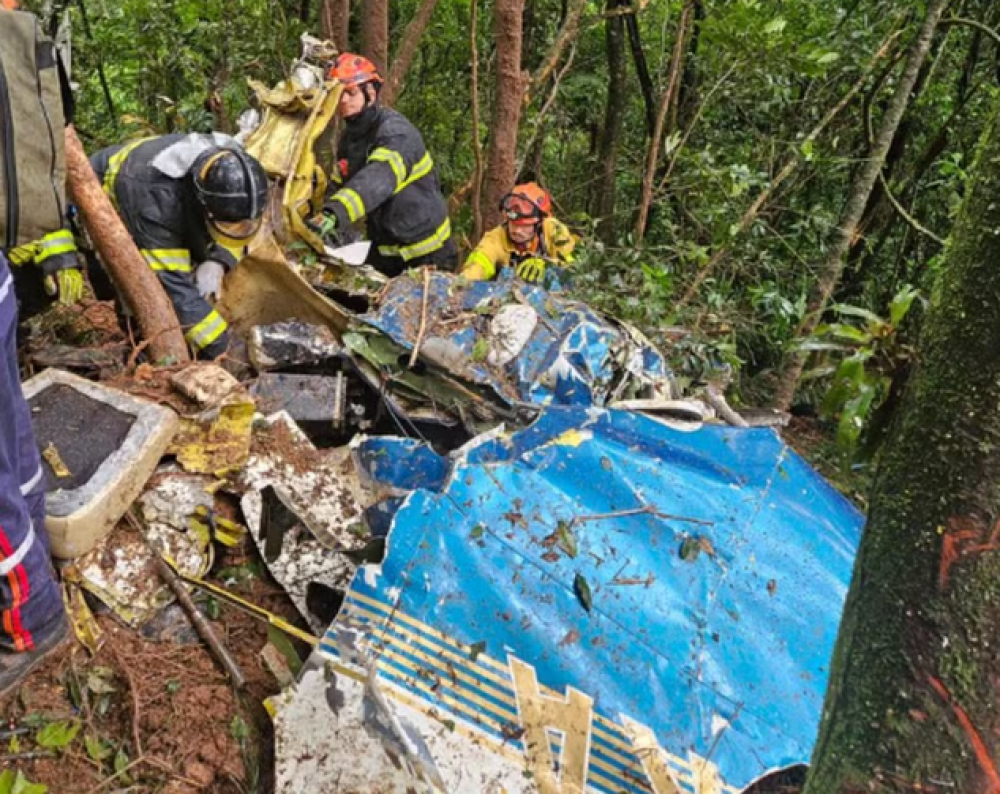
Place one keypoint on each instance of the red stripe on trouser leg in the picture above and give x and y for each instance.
(19, 594)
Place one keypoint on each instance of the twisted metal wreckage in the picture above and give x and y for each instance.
(522, 581)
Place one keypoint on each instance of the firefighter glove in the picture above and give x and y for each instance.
(208, 278)
(67, 284)
(324, 226)
(531, 270)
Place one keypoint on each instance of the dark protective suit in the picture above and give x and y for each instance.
(387, 177)
(30, 601)
(163, 215)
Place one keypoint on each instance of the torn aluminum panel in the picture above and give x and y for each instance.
(550, 351)
(597, 603)
(321, 500)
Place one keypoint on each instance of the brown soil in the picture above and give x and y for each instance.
(172, 712)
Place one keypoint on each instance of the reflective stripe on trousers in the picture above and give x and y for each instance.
(29, 596)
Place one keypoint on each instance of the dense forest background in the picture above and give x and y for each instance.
(705, 149)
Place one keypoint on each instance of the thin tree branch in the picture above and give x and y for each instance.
(408, 49)
(477, 146)
(861, 189)
(567, 34)
(905, 215)
(973, 24)
(789, 168)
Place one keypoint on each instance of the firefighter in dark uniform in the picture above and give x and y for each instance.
(191, 203)
(384, 175)
(33, 621)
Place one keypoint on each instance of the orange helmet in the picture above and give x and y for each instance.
(351, 69)
(526, 204)
(10, 5)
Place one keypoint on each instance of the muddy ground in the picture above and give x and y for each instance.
(151, 714)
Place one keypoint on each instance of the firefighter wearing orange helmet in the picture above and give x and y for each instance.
(386, 177)
(528, 238)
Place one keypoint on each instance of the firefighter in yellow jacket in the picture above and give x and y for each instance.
(527, 240)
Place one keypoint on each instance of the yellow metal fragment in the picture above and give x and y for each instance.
(51, 455)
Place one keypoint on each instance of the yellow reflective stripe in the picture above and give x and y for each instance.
(352, 203)
(60, 242)
(115, 163)
(424, 247)
(207, 331)
(394, 160)
(173, 259)
(477, 257)
(420, 170)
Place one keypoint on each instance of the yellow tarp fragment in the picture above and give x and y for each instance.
(215, 443)
(85, 625)
(227, 532)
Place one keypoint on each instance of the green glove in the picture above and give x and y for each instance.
(531, 270)
(67, 284)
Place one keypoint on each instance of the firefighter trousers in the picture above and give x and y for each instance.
(30, 600)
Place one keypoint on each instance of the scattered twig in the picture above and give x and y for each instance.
(423, 318)
(134, 696)
(27, 756)
(117, 775)
(163, 766)
(638, 511)
(146, 343)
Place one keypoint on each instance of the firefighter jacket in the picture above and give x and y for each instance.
(158, 205)
(160, 210)
(387, 177)
(496, 250)
(34, 104)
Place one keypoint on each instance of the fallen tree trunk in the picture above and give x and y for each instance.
(138, 284)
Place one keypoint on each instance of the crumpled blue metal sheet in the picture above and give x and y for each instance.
(717, 560)
(573, 357)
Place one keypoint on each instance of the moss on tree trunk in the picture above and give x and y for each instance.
(912, 701)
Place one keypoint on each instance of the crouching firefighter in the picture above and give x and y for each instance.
(527, 239)
(32, 619)
(384, 175)
(191, 203)
(36, 105)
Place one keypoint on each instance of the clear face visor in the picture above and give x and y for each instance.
(240, 231)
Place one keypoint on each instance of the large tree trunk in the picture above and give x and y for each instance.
(138, 284)
(335, 21)
(375, 32)
(511, 81)
(614, 111)
(915, 680)
(407, 49)
(833, 265)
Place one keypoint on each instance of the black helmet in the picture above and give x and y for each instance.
(232, 187)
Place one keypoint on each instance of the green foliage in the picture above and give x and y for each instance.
(860, 356)
(57, 735)
(13, 782)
